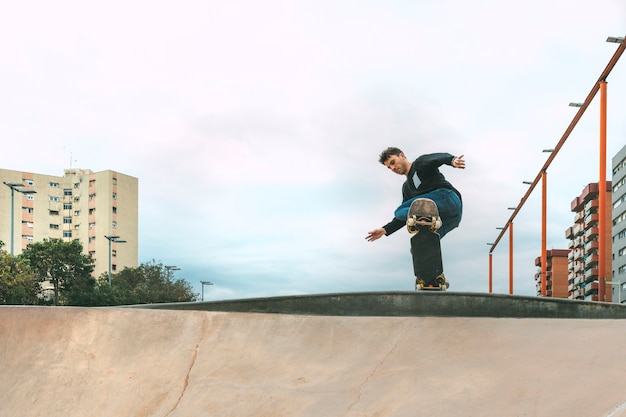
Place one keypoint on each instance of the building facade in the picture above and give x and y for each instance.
(556, 273)
(583, 235)
(82, 205)
(619, 227)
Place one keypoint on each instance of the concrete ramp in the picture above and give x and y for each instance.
(141, 362)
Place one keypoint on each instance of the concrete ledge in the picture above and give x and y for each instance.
(411, 304)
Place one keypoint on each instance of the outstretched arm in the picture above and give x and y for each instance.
(459, 162)
(375, 234)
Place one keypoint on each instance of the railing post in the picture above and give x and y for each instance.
(602, 197)
(544, 237)
(511, 258)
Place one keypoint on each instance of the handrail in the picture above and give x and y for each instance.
(616, 56)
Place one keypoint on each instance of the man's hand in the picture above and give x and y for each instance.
(375, 234)
(459, 162)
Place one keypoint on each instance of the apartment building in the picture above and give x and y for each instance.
(583, 235)
(81, 205)
(619, 227)
(556, 273)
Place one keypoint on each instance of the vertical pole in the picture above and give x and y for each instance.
(490, 273)
(602, 238)
(511, 258)
(544, 221)
(12, 218)
(109, 261)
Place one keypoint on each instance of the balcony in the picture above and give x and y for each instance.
(591, 273)
(591, 220)
(592, 231)
(591, 245)
(579, 217)
(591, 204)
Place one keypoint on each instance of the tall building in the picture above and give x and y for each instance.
(583, 257)
(556, 273)
(619, 226)
(81, 205)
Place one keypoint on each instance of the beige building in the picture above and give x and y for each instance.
(81, 205)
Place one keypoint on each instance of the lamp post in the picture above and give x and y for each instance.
(115, 239)
(14, 187)
(170, 268)
(203, 284)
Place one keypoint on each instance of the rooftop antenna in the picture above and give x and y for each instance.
(72, 160)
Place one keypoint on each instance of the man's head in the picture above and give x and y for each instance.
(395, 160)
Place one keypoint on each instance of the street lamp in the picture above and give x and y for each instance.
(172, 268)
(115, 239)
(203, 284)
(14, 187)
(615, 39)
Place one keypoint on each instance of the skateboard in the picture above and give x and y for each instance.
(422, 222)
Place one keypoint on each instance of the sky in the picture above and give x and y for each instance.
(254, 128)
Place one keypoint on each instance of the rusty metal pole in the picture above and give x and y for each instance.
(602, 198)
(511, 258)
(544, 221)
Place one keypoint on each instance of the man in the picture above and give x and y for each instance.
(423, 181)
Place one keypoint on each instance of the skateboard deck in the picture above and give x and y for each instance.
(423, 221)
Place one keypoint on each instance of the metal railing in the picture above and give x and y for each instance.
(599, 85)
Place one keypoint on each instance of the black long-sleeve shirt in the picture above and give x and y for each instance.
(422, 178)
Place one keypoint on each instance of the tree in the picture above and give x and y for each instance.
(148, 283)
(18, 285)
(65, 265)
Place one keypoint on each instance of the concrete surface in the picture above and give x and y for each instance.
(146, 362)
(411, 303)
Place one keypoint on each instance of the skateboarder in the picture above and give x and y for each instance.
(423, 181)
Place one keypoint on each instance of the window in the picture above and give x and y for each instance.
(67, 220)
(114, 196)
(114, 181)
(53, 212)
(67, 233)
(91, 239)
(91, 196)
(53, 198)
(76, 199)
(67, 192)
(67, 206)
(77, 213)
(30, 197)
(91, 225)
(76, 184)
(27, 224)
(29, 182)
(28, 238)
(54, 226)
(28, 210)
(114, 210)
(92, 211)
(114, 225)
(54, 185)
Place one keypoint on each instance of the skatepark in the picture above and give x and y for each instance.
(360, 354)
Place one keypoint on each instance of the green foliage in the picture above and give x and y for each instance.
(18, 285)
(148, 283)
(65, 265)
